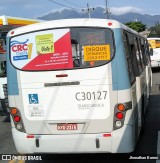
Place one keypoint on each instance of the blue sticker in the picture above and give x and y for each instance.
(33, 98)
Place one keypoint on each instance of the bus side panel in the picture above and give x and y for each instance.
(119, 67)
(12, 82)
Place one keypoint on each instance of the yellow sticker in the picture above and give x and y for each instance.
(44, 44)
(97, 53)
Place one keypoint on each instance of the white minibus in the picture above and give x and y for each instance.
(77, 86)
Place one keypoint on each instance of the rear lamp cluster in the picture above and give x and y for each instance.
(16, 118)
(119, 115)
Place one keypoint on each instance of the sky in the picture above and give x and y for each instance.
(36, 8)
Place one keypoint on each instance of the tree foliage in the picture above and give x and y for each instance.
(136, 25)
(155, 30)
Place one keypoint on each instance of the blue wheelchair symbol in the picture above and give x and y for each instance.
(33, 98)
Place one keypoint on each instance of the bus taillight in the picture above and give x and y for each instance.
(17, 118)
(19, 126)
(119, 115)
(13, 111)
(119, 119)
(120, 107)
(118, 123)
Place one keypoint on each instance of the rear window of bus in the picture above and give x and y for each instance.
(60, 49)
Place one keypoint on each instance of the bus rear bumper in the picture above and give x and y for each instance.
(118, 141)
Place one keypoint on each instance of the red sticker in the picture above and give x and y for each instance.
(61, 58)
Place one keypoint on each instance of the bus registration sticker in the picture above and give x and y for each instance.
(97, 52)
(36, 111)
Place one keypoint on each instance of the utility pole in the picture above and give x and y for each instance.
(88, 10)
(107, 10)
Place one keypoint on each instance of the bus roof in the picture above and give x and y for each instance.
(81, 22)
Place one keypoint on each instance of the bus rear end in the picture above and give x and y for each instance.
(61, 96)
(155, 57)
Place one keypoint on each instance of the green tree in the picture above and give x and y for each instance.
(136, 25)
(155, 30)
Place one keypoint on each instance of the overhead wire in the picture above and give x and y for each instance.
(73, 3)
(62, 5)
(75, 9)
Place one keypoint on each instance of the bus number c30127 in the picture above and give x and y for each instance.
(99, 95)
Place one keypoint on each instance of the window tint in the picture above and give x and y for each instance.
(138, 54)
(140, 51)
(145, 52)
(91, 46)
(128, 57)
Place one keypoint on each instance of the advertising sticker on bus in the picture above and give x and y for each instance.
(44, 44)
(45, 50)
(22, 50)
(97, 53)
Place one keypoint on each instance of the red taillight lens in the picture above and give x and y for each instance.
(119, 115)
(17, 118)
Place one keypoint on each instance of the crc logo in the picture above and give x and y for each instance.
(19, 48)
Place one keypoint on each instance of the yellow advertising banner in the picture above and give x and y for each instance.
(97, 53)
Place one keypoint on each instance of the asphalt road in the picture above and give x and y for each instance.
(147, 145)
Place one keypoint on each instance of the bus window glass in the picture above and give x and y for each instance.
(88, 38)
(145, 52)
(138, 54)
(61, 49)
(128, 58)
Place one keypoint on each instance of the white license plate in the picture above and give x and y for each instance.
(67, 126)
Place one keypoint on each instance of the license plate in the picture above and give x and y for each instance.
(67, 126)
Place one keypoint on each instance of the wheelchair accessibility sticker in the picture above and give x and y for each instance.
(33, 98)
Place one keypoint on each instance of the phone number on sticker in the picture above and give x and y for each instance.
(99, 95)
